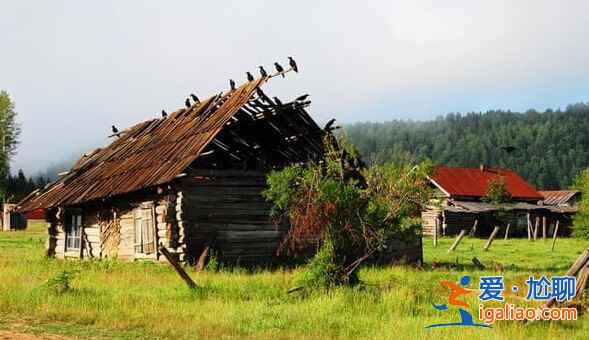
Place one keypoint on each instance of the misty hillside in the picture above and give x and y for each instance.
(551, 146)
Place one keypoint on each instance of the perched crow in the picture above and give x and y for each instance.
(187, 103)
(194, 98)
(164, 114)
(278, 102)
(328, 126)
(114, 129)
(509, 148)
(250, 77)
(293, 64)
(279, 68)
(302, 98)
(263, 72)
(232, 84)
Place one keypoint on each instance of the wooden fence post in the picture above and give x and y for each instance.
(555, 234)
(490, 240)
(457, 241)
(544, 227)
(436, 224)
(507, 231)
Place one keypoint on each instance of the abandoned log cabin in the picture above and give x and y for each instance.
(184, 181)
(459, 204)
(190, 181)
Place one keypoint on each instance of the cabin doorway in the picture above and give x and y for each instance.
(143, 220)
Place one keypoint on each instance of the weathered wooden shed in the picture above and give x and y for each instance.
(186, 181)
(458, 203)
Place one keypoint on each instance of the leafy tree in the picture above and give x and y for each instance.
(353, 214)
(497, 192)
(581, 219)
(9, 132)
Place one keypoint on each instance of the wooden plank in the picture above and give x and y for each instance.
(191, 284)
(544, 228)
(491, 237)
(579, 263)
(457, 241)
(507, 231)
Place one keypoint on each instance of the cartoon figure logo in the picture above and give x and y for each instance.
(457, 291)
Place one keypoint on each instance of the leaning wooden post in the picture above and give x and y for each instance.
(457, 241)
(177, 267)
(490, 240)
(536, 228)
(544, 227)
(507, 231)
(473, 230)
(555, 234)
(529, 227)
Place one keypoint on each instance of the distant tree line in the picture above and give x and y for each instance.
(18, 186)
(551, 147)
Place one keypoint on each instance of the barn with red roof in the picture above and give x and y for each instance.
(461, 203)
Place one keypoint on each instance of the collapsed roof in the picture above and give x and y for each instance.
(242, 127)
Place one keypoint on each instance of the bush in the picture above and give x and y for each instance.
(354, 211)
(61, 283)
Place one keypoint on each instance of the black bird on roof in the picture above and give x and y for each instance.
(187, 103)
(279, 69)
(232, 84)
(263, 72)
(114, 129)
(278, 102)
(329, 125)
(194, 98)
(508, 148)
(293, 64)
(164, 114)
(250, 77)
(302, 98)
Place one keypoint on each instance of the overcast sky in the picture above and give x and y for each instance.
(76, 67)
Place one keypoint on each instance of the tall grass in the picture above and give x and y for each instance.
(108, 299)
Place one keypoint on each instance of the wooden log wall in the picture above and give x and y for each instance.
(428, 221)
(108, 230)
(225, 209)
(454, 222)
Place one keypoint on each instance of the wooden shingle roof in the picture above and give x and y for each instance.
(157, 151)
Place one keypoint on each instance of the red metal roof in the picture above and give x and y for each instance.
(474, 182)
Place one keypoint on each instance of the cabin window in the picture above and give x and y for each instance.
(73, 231)
(144, 230)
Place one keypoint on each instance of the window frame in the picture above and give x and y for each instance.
(73, 231)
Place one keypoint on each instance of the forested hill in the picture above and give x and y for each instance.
(551, 147)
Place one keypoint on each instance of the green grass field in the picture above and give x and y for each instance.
(146, 300)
